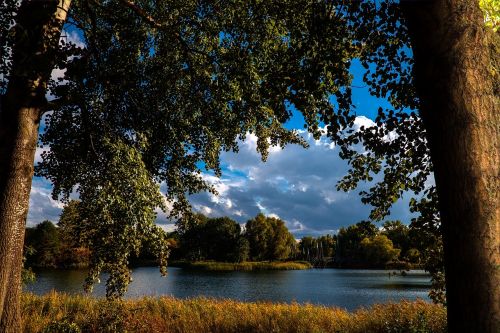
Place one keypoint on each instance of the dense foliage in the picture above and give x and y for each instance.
(269, 238)
(223, 240)
(218, 239)
(161, 88)
(49, 246)
(363, 245)
(318, 250)
(203, 238)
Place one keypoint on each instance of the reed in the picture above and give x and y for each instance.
(244, 266)
(57, 312)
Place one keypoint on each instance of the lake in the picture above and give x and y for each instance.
(344, 288)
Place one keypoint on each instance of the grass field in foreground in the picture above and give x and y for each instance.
(70, 314)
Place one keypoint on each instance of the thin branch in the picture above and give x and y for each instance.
(151, 21)
(142, 13)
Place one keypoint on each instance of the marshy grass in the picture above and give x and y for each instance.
(244, 266)
(57, 312)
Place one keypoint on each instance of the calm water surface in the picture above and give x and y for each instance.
(348, 289)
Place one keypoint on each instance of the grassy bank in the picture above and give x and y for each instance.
(243, 266)
(165, 314)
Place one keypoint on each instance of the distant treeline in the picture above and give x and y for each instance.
(223, 239)
(362, 245)
(262, 238)
(218, 239)
(49, 246)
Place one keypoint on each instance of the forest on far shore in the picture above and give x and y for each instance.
(221, 239)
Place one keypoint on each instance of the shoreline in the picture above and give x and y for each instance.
(243, 266)
(252, 265)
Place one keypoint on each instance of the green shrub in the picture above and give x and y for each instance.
(61, 327)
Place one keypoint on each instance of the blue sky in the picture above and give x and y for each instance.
(295, 184)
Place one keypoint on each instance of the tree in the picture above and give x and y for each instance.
(317, 250)
(398, 233)
(282, 241)
(45, 242)
(454, 86)
(242, 250)
(378, 250)
(74, 252)
(269, 238)
(158, 90)
(462, 120)
(32, 59)
(222, 236)
(190, 238)
(217, 239)
(49, 246)
(258, 235)
(349, 251)
(69, 224)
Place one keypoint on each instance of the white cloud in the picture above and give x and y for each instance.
(42, 206)
(57, 73)
(169, 227)
(330, 196)
(295, 226)
(72, 37)
(296, 184)
(362, 121)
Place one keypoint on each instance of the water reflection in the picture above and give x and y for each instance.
(349, 289)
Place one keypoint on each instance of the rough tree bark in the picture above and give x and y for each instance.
(460, 108)
(39, 25)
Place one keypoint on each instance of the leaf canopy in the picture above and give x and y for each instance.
(161, 88)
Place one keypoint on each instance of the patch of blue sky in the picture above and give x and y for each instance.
(41, 182)
(232, 172)
(365, 104)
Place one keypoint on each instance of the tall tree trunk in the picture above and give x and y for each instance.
(38, 28)
(460, 108)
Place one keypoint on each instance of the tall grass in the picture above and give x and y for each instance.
(63, 313)
(245, 266)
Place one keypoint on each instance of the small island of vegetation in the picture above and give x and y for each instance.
(243, 266)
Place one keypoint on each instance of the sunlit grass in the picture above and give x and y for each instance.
(245, 266)
(166, 314)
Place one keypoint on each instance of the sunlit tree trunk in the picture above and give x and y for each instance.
(460, 108)
(39, 25)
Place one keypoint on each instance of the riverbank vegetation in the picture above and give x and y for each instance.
(243, 266)
(49, 246)
(63, 313)
(222, 239)
(223, 244)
